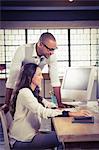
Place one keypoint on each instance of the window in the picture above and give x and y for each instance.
(76, 47)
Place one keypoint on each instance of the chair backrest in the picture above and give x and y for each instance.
(6, 121)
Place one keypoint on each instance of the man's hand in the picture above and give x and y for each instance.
(5, 107)
(61, 105)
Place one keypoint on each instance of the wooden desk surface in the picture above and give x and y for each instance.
(75, 132)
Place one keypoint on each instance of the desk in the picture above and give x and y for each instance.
(76, 135)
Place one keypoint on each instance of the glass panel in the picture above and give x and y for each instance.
(62, 53)
(94, 49)
(80, 36)
(2, 54)
(61, 36)
(80, 52)
(80, 63)
(94, 36)
(13, 37)
(1, 37)
(33, 35)
(2, 76)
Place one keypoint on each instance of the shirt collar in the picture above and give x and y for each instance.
(34, 53)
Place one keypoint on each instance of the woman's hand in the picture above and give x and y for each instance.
(80, 113)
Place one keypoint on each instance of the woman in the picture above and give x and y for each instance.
(29, 108)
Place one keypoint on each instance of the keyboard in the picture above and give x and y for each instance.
(82, 119)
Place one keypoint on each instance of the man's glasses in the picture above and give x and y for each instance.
(50, 49)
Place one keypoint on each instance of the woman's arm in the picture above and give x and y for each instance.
(29, 101)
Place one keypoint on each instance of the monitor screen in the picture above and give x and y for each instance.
(77, 83)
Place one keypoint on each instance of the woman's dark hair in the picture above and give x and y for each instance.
(25, 78)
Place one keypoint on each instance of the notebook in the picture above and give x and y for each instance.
(83, 119)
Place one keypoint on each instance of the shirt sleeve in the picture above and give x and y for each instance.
(15, 67)
(53, 71)
(29, 101)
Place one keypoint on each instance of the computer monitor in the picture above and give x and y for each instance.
(77, 84)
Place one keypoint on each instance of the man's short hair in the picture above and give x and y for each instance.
(46, 36)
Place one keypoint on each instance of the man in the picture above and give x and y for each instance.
(41, 53)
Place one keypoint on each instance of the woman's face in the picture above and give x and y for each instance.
(36, 80)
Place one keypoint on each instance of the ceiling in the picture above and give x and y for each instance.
(26, 11)
(36, 4)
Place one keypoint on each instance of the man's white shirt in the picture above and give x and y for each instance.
(21, 56)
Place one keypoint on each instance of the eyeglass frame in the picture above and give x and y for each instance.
(50, 49)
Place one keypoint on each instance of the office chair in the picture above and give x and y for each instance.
(6, 121)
